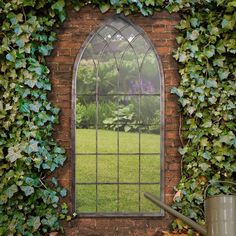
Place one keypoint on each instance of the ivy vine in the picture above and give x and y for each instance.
(29, 199)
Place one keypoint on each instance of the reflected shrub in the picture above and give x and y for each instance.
(122, 119)
(86, 114)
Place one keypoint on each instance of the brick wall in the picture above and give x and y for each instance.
(160, 28)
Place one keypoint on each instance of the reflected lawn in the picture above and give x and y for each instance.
(107, 171)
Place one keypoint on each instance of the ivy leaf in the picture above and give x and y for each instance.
(20, 43)
(33, 146)
(63, 192)
(223, 73)
(210, 51)
(11, 56)
(54, 181)
(24, 107)
(59, 8)
(104, 7)
(45, 50)
(150, 2)
(14, 153)
(204, 166)
(177, 91)
(227, 138)
(28, 190)
(34, 222)
(204, 142)
(114, 2)
(35, 106)
(191, 110)
(207, 155)
(193, 35)
(11, 191)
(211, 83)
(194, 22)
(31, 82)
(12, 17)
(219, 62)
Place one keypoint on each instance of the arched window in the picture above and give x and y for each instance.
(118, 122)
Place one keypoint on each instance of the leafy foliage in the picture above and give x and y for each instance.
(28, 205)
(206, 54)
(28, 154)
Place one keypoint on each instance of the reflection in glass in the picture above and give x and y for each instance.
(117, 121)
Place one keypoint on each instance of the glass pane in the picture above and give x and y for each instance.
(128, 142)
(149, 142)
(98, 44)
(86, 140)
(150, 111)
(150, 74)
(129, 73)
(128, 113)
(107, 198)
(86, 198)
(128, 198)
(129, 168)
(86, 112)
(129, 33)
(106, 32)
(140, 46)
(107, 168)
(108, 73)
(118, 23)
(119, 45)
(150, 168)
(107, 141)
(86, 77)
(107, 112)
(86, 168)
(147, 205)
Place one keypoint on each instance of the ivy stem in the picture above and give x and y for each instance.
(23, 10)
(42, 184)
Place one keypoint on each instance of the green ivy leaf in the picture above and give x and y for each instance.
(34, 222)
(223, 74)
(193, 35)
(11, 191)
(104, 7)
(59, 8)
(204, 166)
(211, 83)
(210, 51)
(14, 153)
(63, 192)
(177, 91)
(194, 22)
(28, 190)
(33, 146)
(11, 56)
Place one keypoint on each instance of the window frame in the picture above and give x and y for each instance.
(73, 124)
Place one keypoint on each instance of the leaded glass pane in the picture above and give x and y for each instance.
(118, 117)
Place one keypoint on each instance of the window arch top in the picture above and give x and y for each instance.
(126, 49)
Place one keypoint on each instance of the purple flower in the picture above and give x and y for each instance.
(140, 86)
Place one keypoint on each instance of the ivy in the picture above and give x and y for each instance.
(29, 200)
(28, 154)
(207, 94)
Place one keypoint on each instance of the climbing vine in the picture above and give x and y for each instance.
(29, 199)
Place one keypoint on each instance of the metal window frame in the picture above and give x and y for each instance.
(162, 125)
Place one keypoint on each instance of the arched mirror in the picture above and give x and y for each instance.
(118, 120)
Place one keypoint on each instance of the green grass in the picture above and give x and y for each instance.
(107, 171)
